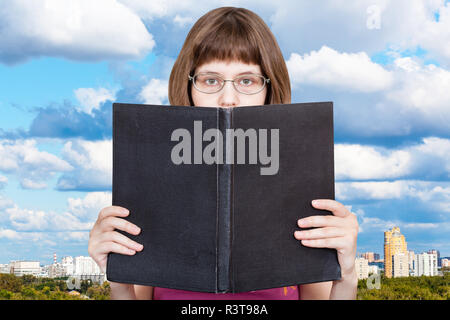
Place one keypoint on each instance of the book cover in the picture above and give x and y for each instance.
(217, 193)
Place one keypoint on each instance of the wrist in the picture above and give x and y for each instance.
(122, 291)
(349, 276)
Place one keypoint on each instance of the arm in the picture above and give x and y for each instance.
(338, 231)
(124, 291)
(315, 291)
(143, 292)
(104, 239)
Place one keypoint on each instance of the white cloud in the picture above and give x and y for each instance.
(149, 10)
(343, 71)
(343, 25)
(91, 99)
(430, 159)
(31, 165)
(423, 87)
(29, 184)
(92, 162)
(87, 208)
(155, 92)
(377, 225)
(432, 30)
(79, 30)
(436, 194)
(9, 234)
(79, 217)
(366, 162)
(183, 21)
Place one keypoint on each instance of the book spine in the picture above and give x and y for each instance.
(224, 206)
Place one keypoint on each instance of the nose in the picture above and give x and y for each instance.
(229, 97)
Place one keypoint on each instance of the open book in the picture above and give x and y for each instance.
(217, 193)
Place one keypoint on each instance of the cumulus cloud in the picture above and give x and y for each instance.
(346, 27)
(370, 224)
(432, 30)
(79, 217)
(30, 184)
(87, 208)
(32, 166)
(422, 87)
(92, 163)
(429, 159)
(9, 234)
(79, 30)
(69, 121)
(155, 92)
(90, 98)
(342, 71)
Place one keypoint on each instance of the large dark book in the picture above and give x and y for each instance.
(217, 193)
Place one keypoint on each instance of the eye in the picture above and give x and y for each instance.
(211, 81)
(246, 82)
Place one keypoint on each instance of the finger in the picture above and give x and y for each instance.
(319, 233)
(119, 238)
(321, 221)
(332, 243)
(107, 247)
(114, 223)
(337, 208)
(113, 211)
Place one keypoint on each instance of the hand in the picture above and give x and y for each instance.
(338, 231)
(103, 239)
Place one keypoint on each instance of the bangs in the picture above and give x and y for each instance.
(230, 40)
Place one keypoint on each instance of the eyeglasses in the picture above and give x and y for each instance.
(212, 83)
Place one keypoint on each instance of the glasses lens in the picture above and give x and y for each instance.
(208, 83)
(249, 83)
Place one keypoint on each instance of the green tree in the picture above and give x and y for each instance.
(10, 282)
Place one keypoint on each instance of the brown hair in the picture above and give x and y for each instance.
(229, 34)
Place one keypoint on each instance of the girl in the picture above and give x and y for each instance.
(231, 59)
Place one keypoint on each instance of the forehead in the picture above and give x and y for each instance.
(230, 68)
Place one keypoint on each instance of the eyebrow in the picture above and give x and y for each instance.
(246, 72)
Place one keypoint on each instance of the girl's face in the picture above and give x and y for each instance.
(228, 96)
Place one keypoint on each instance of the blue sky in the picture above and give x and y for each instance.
(387, 70)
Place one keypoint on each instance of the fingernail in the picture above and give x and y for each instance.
(315, 202)
(125, 211)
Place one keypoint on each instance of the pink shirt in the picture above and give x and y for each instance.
(284, 293)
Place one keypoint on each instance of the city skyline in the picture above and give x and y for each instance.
(358, 254)
(384, 64)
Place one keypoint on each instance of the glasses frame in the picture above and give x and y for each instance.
(266, 81)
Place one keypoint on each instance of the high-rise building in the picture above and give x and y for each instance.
(362, 268)
(394, 242)
(20, 268)
(438, 254)
(85, 266)
(426, 264)
(370, 256)
(68, 264)
(400, 266)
